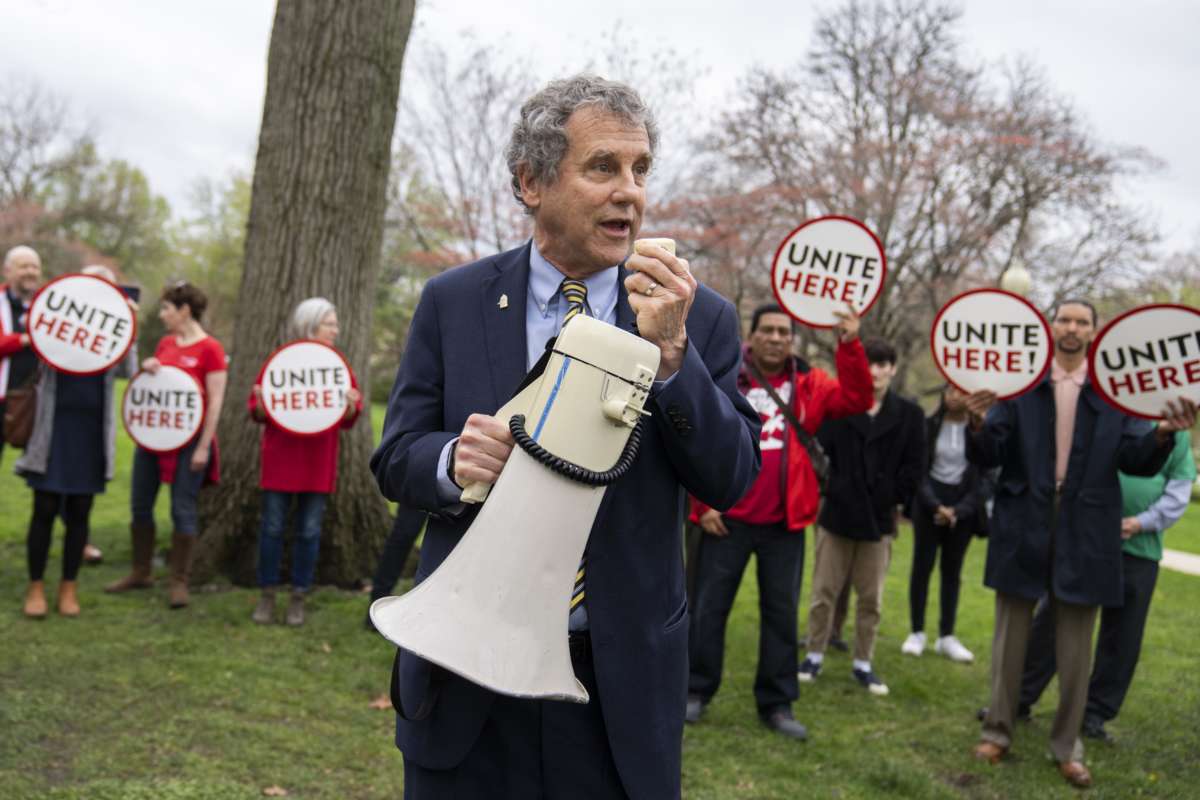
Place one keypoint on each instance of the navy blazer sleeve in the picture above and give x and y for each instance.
(710, 430)
(1141, 453)
(985, 447)
(405, 464)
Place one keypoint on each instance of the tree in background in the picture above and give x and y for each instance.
(956, 167)
(75, 208)
(317, 207)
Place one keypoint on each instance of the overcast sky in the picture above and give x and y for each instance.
(176, 88)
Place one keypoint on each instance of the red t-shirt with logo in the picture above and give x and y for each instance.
(763, 504)
(197, 359)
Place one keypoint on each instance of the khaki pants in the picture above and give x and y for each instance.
(839, 561)
(1072, 651)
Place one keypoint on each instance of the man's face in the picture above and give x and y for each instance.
(587, 219)
(23, 273)
(771, 341)
(882, 373)
(1073, 328)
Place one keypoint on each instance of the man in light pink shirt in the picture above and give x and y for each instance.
(1056, 525)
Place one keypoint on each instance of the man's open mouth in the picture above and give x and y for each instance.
(617, 227)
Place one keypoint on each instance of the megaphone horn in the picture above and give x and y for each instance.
(496, 610)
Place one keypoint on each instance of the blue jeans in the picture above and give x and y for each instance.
(185, 489)
(310, 509)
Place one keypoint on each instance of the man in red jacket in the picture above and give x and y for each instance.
(769, 520)
(22, 276)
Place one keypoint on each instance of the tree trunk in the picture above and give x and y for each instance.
(315, 229)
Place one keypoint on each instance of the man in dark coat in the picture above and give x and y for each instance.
(1056, 523)
(580, 156)
(876, 461)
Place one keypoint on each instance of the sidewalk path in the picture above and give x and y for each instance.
(1181, 562)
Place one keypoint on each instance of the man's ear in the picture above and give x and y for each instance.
(531, 188)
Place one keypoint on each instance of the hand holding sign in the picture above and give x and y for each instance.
(824, 265)
(81, 324)
(1146, 362)
(306, 387)
(989, 339)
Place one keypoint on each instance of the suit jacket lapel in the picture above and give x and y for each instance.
(626, 320)
(504, 328)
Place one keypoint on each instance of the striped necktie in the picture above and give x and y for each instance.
(575, 293)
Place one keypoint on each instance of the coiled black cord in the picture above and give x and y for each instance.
(570, 470)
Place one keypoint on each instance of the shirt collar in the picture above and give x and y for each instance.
(545, 280)
(1058, 374)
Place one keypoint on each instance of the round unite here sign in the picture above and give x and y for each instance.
(304, 385)
(826, 264)
(1147, 356)
(990, 339)
(81, 324)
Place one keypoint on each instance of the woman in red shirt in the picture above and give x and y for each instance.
(190, 348)
(300, 467)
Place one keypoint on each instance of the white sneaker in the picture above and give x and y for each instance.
(914, 645)
(953, 649)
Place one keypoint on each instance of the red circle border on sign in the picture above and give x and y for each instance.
(802, 226)
(199, 428)
(132, 338)
(263, 371)
(991, 290)
(1091, 357)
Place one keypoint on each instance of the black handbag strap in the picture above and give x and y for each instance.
(805, 437)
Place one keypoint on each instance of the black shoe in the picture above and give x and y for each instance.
(1093, 728)
(694, 710)
(871, 682)
(839, 644)
(808, 672)
(781, 721)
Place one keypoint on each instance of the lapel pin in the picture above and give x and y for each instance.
(503, 301)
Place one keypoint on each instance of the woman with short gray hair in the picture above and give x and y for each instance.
(300, 468)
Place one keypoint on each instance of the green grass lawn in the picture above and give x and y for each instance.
(135, 701)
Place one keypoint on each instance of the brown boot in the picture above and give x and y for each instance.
(140, 576)
(35, 600)
(181, 569)
(68, 601)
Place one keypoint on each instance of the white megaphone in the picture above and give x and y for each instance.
(495, 611)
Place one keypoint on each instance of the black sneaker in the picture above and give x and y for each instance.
(694, 710)
(839, 644)
(781, 721)
(808, 672)
(870, 681)
(1093, 728)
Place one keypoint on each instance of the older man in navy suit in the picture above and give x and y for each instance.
(580, 156)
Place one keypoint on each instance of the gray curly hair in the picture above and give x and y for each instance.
(308, 315)
(539, 139)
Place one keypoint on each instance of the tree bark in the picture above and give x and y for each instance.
(315, 229)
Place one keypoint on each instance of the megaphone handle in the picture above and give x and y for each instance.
(475, 492)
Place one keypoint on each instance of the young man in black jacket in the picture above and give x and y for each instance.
(876, 461)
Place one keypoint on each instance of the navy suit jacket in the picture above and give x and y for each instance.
(1085, 541)
(467, 355)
